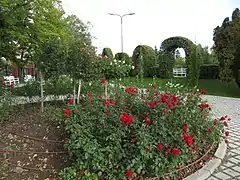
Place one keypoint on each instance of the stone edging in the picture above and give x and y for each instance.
(211, 165)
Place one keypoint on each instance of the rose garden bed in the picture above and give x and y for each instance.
(128, 135)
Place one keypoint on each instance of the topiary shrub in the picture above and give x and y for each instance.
(209, 71)
(107, 52)
(149, 59)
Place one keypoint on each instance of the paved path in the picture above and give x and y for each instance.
(230, 168)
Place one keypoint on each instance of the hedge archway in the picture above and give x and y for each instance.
(149, 59)
(169, 45)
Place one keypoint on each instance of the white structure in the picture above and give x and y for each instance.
(28, 78)
(179, 72)
(11, 80)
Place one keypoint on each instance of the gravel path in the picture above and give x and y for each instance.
(230, 168)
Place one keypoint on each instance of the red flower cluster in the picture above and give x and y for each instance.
(169, 99)
(131, 90)
(188, 139)
(129, 173)
(148, 120)
(109, 102)
(204, 106)
(70, 101)
(203, 91)
(127, 119)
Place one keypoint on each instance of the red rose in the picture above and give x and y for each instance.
(223, 118)
(229, 119)
(70, 101)
(168, 150)
(103, 82)
(210, 130)
(203, 91)
(204, 106)
(127, 119)
(226, 141)
(108, 113)
(148, 120)
(176, 151)
(129, 173)
(225, 124)
(227, 133)
(159, 146)
(90, 95)
(185, 128)
(154, 86)
(152, 105)
(81, 171)
(67, 111)
(215, 122)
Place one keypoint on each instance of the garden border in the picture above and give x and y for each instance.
(208, 169)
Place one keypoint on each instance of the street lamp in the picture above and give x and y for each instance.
(121, 17)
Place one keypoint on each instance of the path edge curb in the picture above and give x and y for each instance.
(208, 169)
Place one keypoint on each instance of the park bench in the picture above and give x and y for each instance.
(179, 72)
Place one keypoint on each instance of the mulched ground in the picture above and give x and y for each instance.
(34, 162)
(31, 163)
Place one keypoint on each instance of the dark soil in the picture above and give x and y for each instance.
(33, 162)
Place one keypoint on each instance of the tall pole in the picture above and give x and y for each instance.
(121, 17)
(122, 34)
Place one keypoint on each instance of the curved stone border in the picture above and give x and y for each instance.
(211, 165)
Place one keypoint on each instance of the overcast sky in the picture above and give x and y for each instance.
(154, 21)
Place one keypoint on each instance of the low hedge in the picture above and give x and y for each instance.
(209, 71)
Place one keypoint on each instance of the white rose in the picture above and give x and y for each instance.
(133, 67)
(90, 84)
(123, 62)
(115, 60)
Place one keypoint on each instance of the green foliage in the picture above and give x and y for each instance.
(226, 46)
(209, 71)
(113, 68)
(108, 137)
(171, 44)
(149, 59)
(107, 52)
(166, 62)
(179, 62)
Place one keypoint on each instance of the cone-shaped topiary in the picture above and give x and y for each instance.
(107, 52)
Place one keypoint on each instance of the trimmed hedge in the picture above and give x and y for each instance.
(149, 59)
(121, 56)
(209, 71)
(107, 52)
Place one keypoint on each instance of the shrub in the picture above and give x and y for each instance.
(113, 68)
(209, 71)
(107, 52)
(132, 134)
(149, 59)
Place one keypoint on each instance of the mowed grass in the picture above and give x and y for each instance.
(212, 86)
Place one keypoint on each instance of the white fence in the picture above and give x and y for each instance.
(179, 72)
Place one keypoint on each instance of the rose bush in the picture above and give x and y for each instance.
(113, 68)
(130, 135)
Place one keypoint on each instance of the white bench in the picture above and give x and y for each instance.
(179, 72)
(28, 78)
(11, 80)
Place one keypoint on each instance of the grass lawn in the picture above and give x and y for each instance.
(212, 86)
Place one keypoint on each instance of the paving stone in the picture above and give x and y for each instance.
(234, 160)
(231, 172)
(228, 164)
(212, 178)
(236, 151)
(236, 168)
(222, 176)
(233, 145)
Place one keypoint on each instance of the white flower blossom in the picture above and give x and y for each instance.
(115, 60)
(133, 67)
(90, 84)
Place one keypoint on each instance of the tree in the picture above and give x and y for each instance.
(226, 46)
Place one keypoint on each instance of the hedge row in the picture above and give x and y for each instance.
(209, 71)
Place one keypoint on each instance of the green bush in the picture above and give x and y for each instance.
(209, 71)
(149, 59)
(126, 135)
(107, 52)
